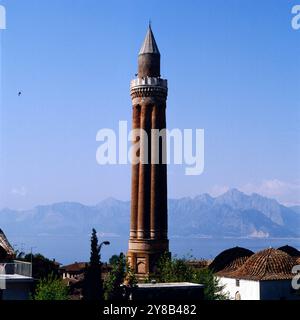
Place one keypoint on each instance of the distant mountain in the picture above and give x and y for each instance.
(295, 208)
(233, 214)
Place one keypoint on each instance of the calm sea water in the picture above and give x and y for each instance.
(67, 249)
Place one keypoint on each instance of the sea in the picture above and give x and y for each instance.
(68, 249)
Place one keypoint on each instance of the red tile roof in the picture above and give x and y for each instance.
(293, 252)
(230, 259)
(74, 267)
(268, 264)
(5, 244)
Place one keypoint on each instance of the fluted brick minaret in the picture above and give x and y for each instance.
(148, 228)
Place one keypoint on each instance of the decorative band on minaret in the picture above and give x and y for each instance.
(149, 213)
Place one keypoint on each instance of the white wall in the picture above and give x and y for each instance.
(259, 290)
(249, 290)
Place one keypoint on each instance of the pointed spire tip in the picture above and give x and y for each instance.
(149, 45)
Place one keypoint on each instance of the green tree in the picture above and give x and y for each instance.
(51, 288)
(178, 270)
(212, 288)
(121, 274)
(42, 267)
(113, 259)
(93, 286)
(173, 270)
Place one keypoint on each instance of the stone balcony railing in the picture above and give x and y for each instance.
(149, 81)
(16, 267)
(16, 271)
(148, 86)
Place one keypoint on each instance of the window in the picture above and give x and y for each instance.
(237, 296)
(237, 282)
(141, 265)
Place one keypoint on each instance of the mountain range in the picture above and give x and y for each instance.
(232, 214)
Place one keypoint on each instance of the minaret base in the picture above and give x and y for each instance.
(143, 255)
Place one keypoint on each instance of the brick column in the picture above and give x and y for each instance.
(144, 175)
(134, 178)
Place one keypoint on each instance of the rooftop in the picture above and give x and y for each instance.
(268, 264)
(293, 252)
(17, 277)
(230, 259)
(4, 243)
(75, 267)
(169, 285)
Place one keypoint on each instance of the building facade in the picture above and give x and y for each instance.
(265, 275)
(15, 276)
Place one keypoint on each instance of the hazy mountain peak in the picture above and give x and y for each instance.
(234, 192)
(233, 197)
(232, 214)
(205, 197)
(110, 201)
(63, 204)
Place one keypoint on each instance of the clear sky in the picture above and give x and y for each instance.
(233, 70)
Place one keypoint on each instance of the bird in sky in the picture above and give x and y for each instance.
(19, 93)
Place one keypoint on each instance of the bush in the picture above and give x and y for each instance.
(51, 288)
(121, 274)
(178, 270)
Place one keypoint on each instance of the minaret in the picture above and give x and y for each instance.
(149, 221)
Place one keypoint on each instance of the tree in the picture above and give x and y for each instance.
(173, 270)
(51, 288)
(113, 259)
(120, 279)
(212, 288)
(178, 270)
(42, 267)
(93, 288)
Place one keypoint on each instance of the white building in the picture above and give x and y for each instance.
(15, 276)
(265, 275)
(6, 250)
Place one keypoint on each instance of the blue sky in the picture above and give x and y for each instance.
(232, 67)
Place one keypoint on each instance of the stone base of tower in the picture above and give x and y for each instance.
(143, 255)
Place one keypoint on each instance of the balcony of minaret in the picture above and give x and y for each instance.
(148, 86)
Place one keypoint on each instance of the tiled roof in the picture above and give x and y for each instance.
(5, 244)
(293, 252)
(233, 266)
(268, 264)
(230, 259)
(80, 266)
(75, 267)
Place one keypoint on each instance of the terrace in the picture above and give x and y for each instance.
(15, 280)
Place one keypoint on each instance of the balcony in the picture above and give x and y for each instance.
(149, 81)
(16, 271)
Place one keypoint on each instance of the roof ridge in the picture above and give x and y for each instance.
(266, 262)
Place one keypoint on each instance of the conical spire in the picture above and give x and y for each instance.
(149, 57)
(149, 45)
